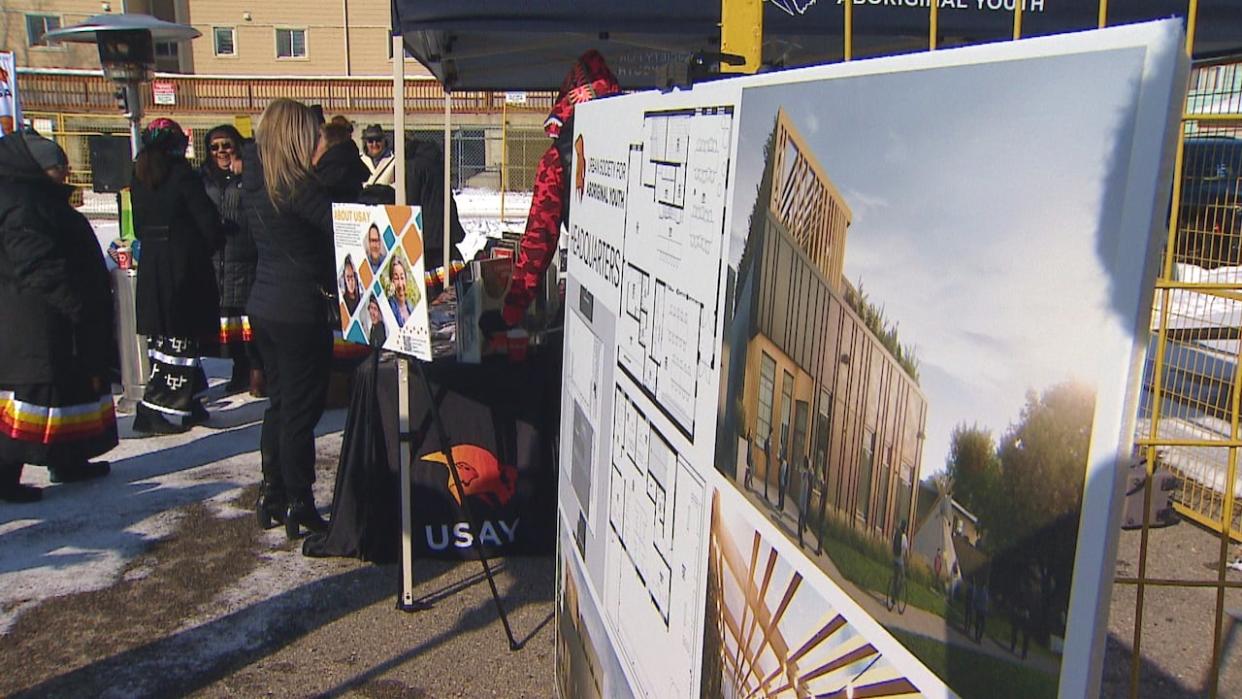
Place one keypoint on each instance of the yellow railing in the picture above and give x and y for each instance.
(88, 91)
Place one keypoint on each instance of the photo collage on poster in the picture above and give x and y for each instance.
(379, 277)
(867, 425)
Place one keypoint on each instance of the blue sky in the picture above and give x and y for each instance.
(980, 195)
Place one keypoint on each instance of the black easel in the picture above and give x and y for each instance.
(405, 601)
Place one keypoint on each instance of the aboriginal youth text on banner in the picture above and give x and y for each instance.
(783, 350)
(379, 270)
(10, 107)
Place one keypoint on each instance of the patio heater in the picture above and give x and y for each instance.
(127, 54)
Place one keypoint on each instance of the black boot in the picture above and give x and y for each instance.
(271, 505)
(302, 513)
(198, 415)
(148, 422)
(84, 471)
(13, 491)
(240, 378)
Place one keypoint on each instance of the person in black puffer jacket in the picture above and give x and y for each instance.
(290, 215)
(177, 298)
(235, 262)
(337, 163)
(57, 348)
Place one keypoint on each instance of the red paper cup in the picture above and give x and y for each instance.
(123, 260)
(517, 341)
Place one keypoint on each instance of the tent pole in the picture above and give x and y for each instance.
(398, 117)
(448, 191)
(406, 600)
(504, 155)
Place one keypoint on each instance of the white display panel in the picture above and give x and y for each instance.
(379, 271)
(797, 292)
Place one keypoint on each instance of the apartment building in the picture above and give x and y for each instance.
(239, 37)
(816, 381)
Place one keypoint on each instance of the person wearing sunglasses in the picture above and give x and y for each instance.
(378, 157)
(236, 262)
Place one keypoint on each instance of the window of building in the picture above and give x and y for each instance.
(291, 43)
(865, 462)
(167, 49)
(881, 511)
(767, 384)
(905, 490)
(37, 26)
(801, 416)
(225, 41)
(406, 51)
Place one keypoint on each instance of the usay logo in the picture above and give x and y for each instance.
(485, 478)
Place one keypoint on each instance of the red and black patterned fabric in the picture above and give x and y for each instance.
(589, 79)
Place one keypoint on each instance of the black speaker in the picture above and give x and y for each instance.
(111, 166)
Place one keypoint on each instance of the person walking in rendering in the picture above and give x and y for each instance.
(750, 462)
(980, 605)
(290, 215)
(782, 483)
(804, 495)
(57, 351)
(767, 462)
(178, 301)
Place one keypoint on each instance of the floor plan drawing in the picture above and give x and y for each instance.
(674, 236)
(656, 502)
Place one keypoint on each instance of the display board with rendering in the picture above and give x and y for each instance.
(850, 365)
(379, 272)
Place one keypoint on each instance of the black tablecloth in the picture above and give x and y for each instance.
(502, 420)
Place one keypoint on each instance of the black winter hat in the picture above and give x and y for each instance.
(374, 131)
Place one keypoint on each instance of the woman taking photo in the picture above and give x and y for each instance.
(177, 297)
(235, 262)
(56, 349)
(290, 215)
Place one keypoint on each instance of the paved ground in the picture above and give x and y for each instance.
(156, 582)
(1176, 645)
(915, 621)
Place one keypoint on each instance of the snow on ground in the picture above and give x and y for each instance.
(83, 535)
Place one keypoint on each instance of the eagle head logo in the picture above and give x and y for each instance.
(482, 475)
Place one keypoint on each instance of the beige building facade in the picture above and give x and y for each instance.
(324, 38)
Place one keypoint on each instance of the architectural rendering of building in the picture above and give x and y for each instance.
(818, 386)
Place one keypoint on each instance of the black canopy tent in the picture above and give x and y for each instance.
(499, 45)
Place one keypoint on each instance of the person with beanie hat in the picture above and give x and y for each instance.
(57, 350)
(49, 155)
(177, 298)
(235, 261)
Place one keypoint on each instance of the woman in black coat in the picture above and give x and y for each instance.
(235, 262)
(290, 214)
(57, 350)
(178, 301)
